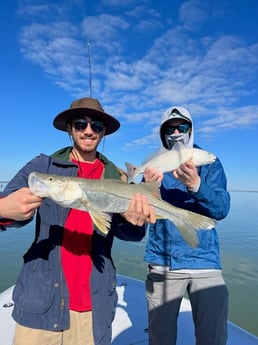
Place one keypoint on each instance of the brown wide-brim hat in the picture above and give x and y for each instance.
(86, 107)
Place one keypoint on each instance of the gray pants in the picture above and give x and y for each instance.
(208, 295)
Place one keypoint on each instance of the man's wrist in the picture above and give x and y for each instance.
(195, 188)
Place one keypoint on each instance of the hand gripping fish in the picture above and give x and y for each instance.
(105, 196)
(167, 160)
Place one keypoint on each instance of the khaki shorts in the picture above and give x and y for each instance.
(80, 333)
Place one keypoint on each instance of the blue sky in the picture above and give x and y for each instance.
(145, 57)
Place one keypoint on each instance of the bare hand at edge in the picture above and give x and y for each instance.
(19, 205)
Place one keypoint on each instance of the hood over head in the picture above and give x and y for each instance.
(168, 141)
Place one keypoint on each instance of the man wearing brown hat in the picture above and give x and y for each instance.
(65, 293)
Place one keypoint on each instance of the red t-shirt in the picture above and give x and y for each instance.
(76, 246)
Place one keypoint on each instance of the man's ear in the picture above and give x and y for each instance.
(69, 128)
(103, 133)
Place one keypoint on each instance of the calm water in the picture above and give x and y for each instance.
(239, 250)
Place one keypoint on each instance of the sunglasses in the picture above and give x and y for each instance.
(82, 124)
(182, 128)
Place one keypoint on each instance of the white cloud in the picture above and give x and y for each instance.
(208, 72)
(103, 27)
(192, 13)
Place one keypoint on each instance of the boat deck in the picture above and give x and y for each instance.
(130, 323)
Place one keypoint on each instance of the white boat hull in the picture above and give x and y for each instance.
(131, 319)
(130, 323)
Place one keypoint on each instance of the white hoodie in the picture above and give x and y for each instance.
(168, 141)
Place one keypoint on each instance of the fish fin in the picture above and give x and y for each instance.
(130, 172)
(102, 220)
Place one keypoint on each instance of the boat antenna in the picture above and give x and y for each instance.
(90, 85)
(90, 79)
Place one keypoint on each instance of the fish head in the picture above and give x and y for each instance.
(202, 157)
(45, 185)
(208, 157)
(58, 188)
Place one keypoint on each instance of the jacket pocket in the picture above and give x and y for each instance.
(34, 292)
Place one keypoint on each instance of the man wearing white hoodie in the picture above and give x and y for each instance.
(174, 266)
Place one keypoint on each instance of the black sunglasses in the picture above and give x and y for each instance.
(182, 128)
(81, 125)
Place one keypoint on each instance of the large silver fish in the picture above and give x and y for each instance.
(105, 196)
(168, 160)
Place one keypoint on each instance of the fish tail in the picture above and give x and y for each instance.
(187, 230)
(200, 222)
(130, 172)
(189, 222)
(189, 234)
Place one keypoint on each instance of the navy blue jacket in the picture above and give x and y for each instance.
(166, 246)
(41, 298)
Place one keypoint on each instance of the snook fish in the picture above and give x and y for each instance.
(168, 160)
(104, 196)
